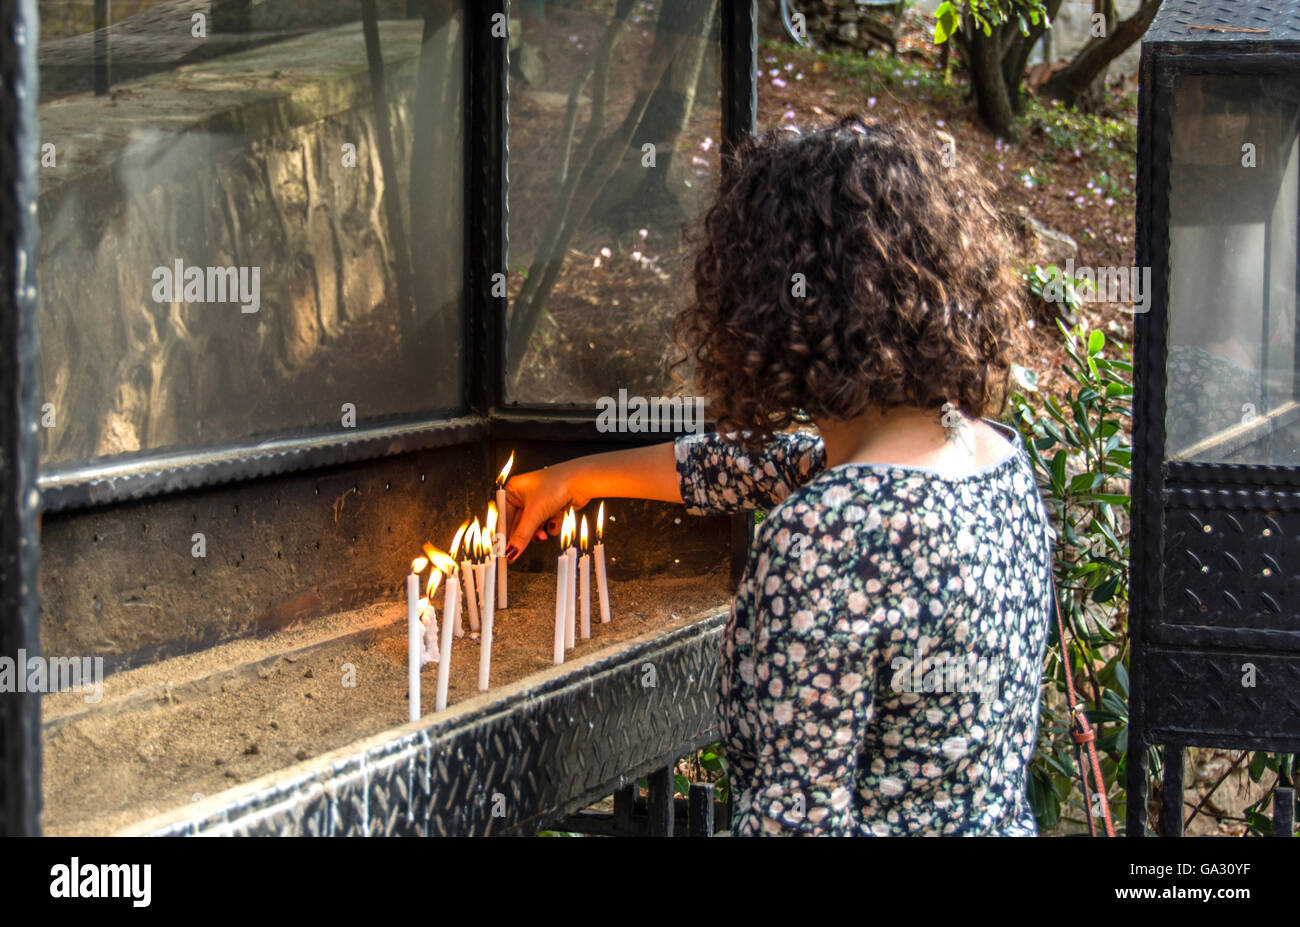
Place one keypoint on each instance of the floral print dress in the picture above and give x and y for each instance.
(880, 670)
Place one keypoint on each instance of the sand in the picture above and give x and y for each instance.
(192, 726)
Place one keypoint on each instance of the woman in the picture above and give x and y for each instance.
(880, 670)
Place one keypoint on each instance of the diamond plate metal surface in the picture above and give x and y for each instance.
(1173, 23)
(509, 766)
(1224, 699)
(1232, 568)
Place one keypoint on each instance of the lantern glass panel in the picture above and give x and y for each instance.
(228, 222)
(1234, 195)
(615, 124)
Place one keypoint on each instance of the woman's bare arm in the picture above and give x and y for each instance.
(535, 501)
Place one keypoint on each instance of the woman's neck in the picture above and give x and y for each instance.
(914, 437)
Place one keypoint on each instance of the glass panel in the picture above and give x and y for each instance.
(227, 228)
(1234, 197)
(615, 122)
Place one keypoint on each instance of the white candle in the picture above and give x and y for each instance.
(602, 582)
(476, 621)
(485, 646)
(586, 596)
(471, 594)
(561, 565)
(454, 577)
(429, 643)
(450, 617)
(569, 600)
(413, 640)
(499, 543)
(584, 588)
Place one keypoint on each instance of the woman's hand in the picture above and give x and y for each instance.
(535, 503)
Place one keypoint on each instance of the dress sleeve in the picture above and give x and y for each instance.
(721, 478)
(813, 673)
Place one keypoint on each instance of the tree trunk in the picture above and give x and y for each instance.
(991, 97)
(1015, 56)
(635, 195)
(1071, 83)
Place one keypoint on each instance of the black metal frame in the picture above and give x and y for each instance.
(1185, 675)
(20, 729)
(108, 484)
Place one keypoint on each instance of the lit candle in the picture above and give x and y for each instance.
(585, 587)
(429, 615)
(450, 618)
(454, 577)
(571, 619)
(467, 571)
(413, 638)
(489, 608)
(499, 550)
(561, 584)
(602, 583)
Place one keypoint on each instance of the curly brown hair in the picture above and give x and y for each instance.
(909, 298)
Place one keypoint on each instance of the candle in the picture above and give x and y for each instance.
(467, 570)
(571, 592)
(584, 568)
(561, 566)
(602, 583)
(429, 615)
(500, 549)
(450, 617)
(454, 577)
(489, 607)
(413, 638)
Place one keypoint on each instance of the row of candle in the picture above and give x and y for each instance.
(573, 569)
(478, 569)
(482, 569)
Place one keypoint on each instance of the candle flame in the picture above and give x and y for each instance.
(600, 522)
(471, 539)
(584, 534)
(418, 564)
(442, 562)
(434, 578)
(460, 534)
(505, 471)
(490, 525)
(422, 607)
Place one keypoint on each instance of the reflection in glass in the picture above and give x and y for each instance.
(1232, 323)
(236, 243)
(615, 123)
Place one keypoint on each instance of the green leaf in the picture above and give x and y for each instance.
(1058, 471)
(1028, 379)
(1096, 341)
(1258, 763)
(1106, 591)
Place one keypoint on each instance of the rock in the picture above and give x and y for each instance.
(530, 66)
(1047, 245)
(301, 754)
(252, 749)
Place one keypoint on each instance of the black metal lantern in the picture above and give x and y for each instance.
(355, 395)
(1216, 475)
